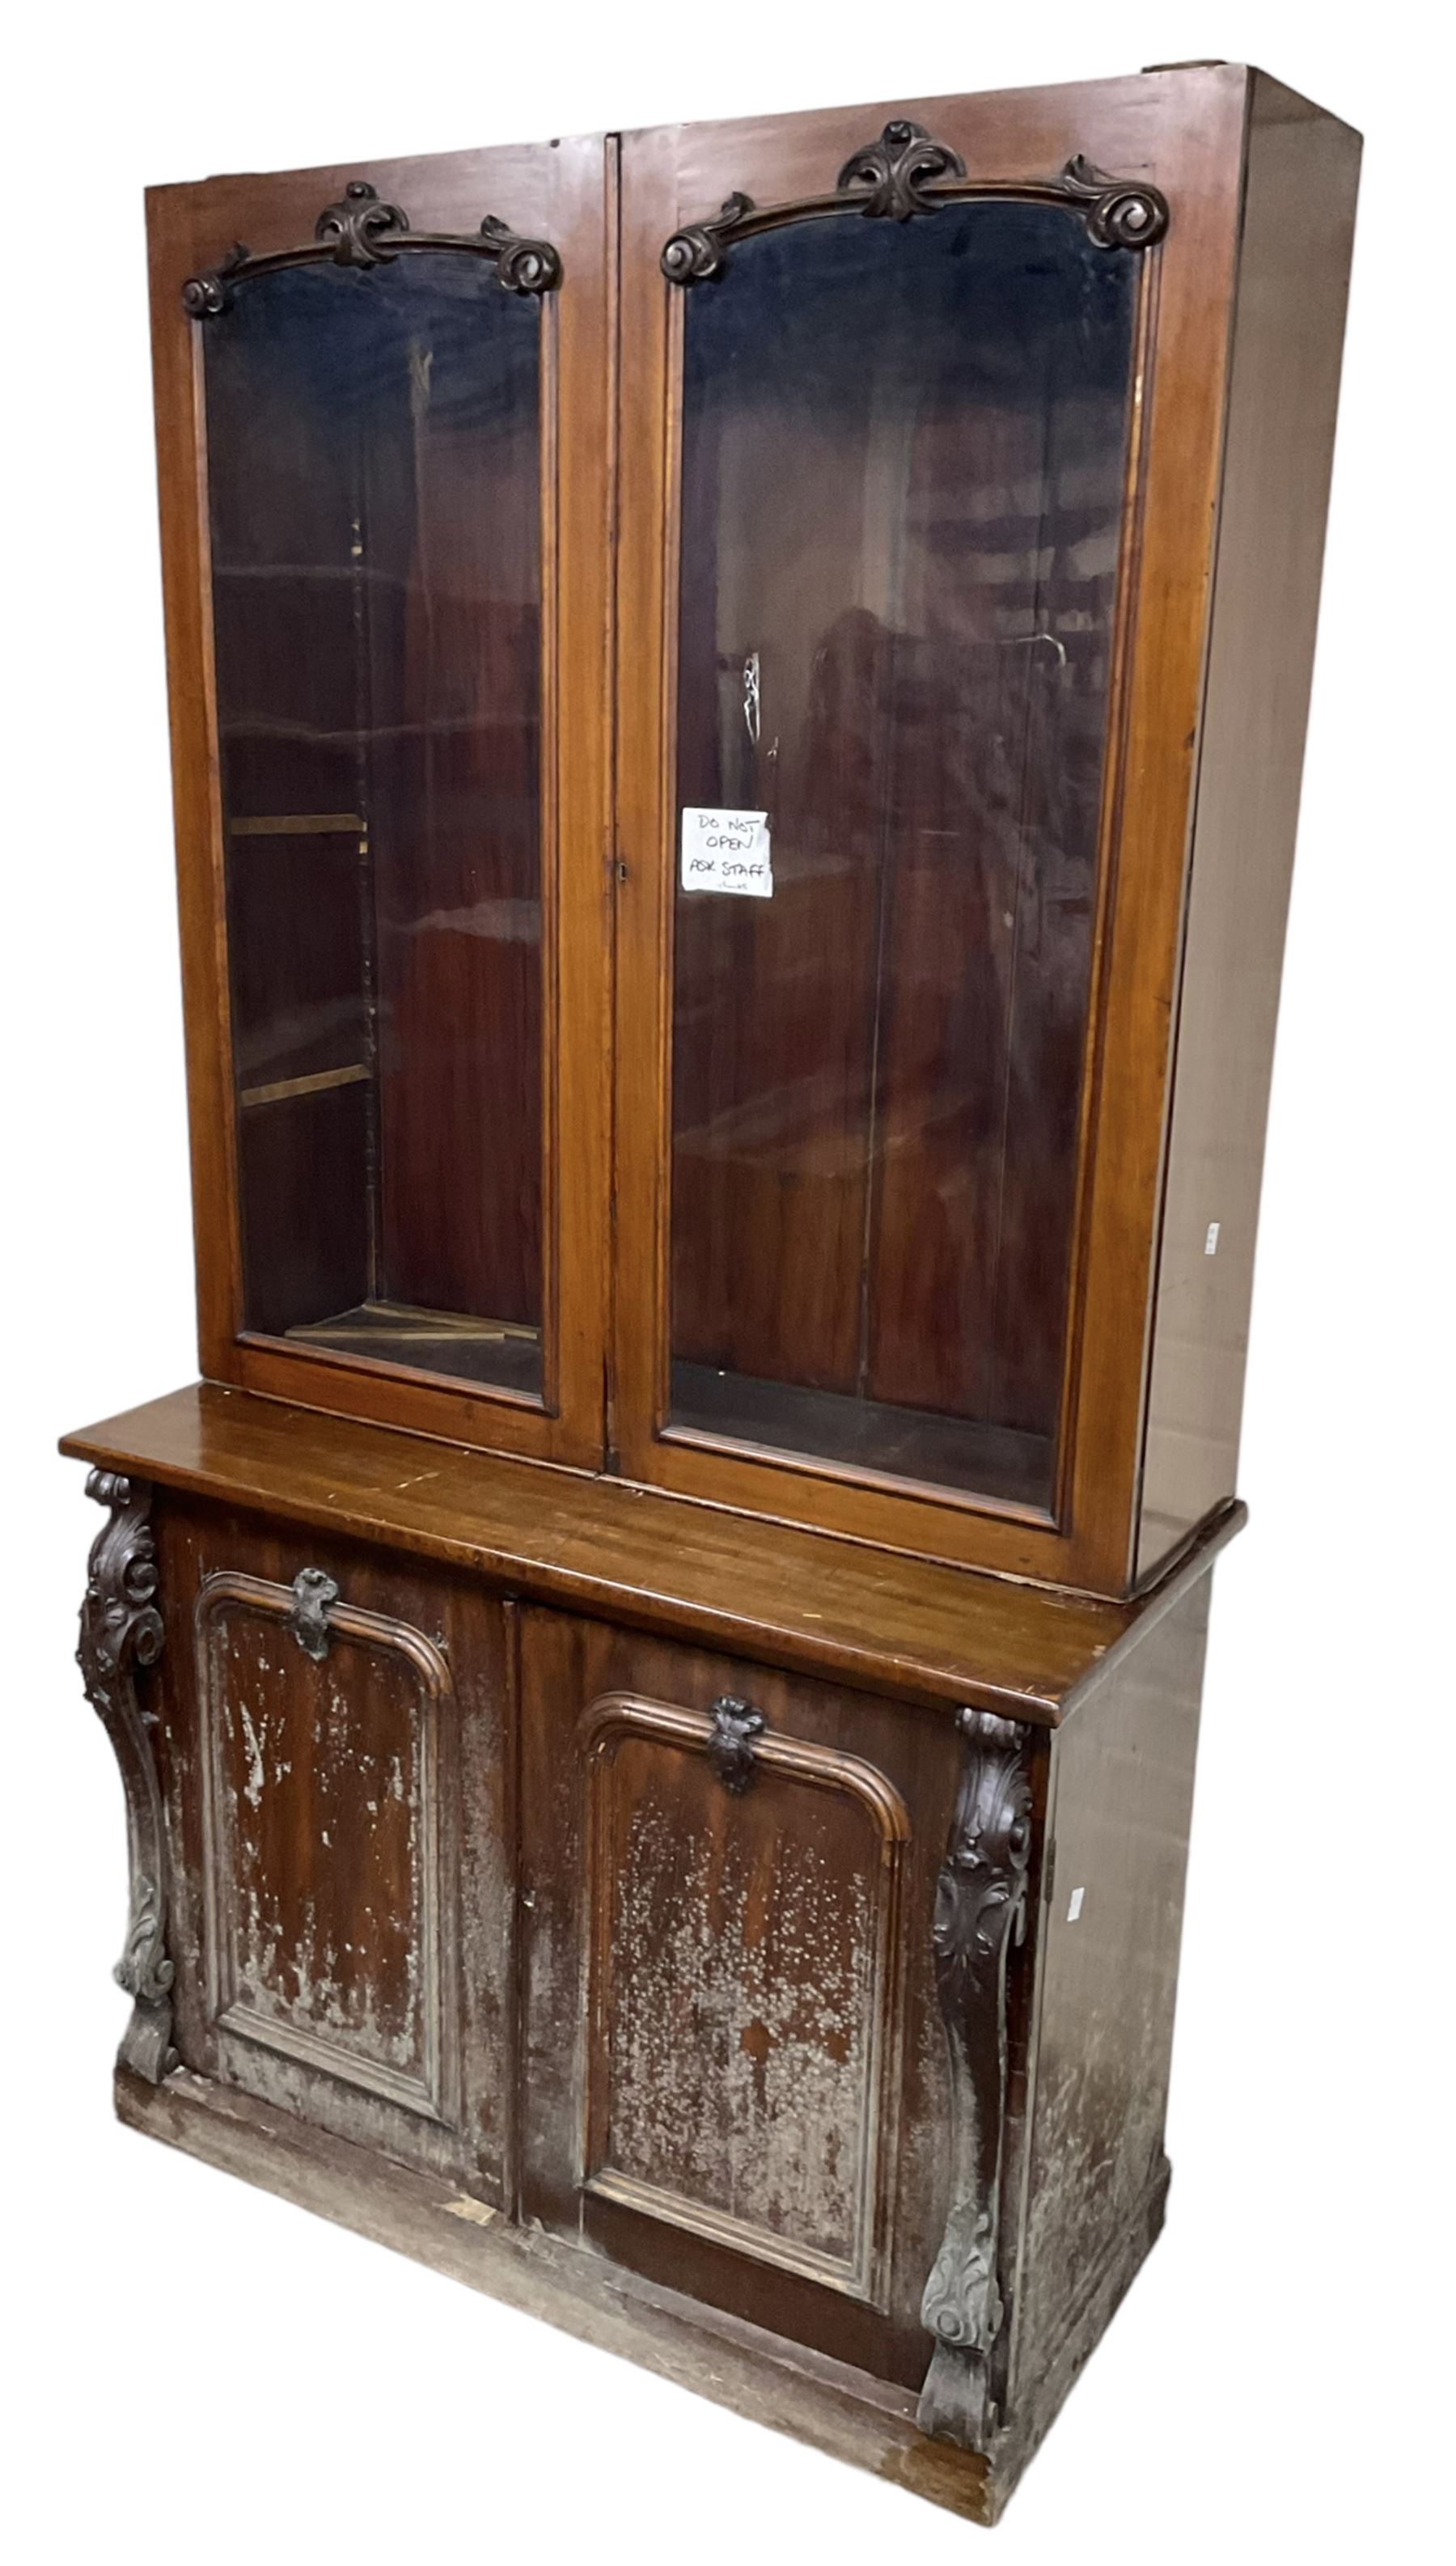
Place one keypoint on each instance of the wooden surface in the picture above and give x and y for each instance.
(759, 2051)
(1106, 1970)
(343, 1916)
(835, 2409)
(873, 1618)
(1298, 217)
(844, 2411)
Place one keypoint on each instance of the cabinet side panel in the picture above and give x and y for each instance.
(1293, 276)
(1124, 1791)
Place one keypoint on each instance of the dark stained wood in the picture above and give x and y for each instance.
(1298, 223)
(903, 1625)
(301, 1173)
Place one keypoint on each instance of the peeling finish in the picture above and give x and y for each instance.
(322, 1817)
(744, 1989)
(739, 2035)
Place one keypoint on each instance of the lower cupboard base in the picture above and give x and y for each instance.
(757, 2375)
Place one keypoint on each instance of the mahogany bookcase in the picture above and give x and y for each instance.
(737, 704)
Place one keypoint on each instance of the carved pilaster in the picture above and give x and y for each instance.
(121, 1630)
(980, 1909)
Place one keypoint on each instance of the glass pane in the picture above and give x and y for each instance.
(904, 455)
(373, 476)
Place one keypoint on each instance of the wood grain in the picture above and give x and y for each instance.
(897, 1625)
(1294, 267)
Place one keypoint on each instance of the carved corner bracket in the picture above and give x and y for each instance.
(730, 1748)
(362, 231)
(907, 173)
(980, 1911)
(121, 1631)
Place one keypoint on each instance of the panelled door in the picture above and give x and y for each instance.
(731, 2038)
(336, 1756)
(921, 413)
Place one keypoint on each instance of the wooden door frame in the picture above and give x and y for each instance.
(563, 194)
(1182, 133)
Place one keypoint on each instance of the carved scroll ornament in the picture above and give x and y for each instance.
(980, 1911)
(313, 1592)
(362, 231)
(730, 1749)
(121, 1630)
(896, 171)
(905, 173)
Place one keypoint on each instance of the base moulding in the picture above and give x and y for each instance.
(813, 2399)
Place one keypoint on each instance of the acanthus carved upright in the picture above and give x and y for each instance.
(980, 1911)
(121, 1630)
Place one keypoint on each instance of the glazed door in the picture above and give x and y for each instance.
(386, 576)
(913, 433)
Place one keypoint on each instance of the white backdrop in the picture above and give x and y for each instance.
(202, 2368)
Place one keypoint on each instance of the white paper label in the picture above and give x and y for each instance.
(727, 850)
(1074, 1905)
(1210, 1239)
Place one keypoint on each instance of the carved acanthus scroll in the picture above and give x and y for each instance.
(121, 1630)
(313, 1592)
(980, 1909)
(362, 231)
(907, 173)
(895, 172)
(730, 1748)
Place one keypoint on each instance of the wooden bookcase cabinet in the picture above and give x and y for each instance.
(657, 1675)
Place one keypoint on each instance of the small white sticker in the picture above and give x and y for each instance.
(727, 850)
(1210, 1240)
(1074, 1905)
